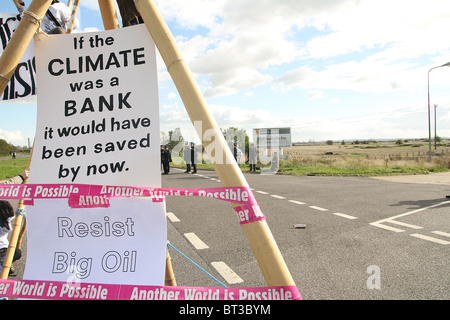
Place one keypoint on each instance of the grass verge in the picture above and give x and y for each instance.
(12, 167)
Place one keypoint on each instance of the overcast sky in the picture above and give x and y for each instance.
(329, 69)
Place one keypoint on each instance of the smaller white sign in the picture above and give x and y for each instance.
(97, 245)
(272, 138)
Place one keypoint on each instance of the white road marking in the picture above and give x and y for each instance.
(276, 196)
(414, 211)
(380, 224)
(345, 215)
(172, 217)
(318, 208)
(296, 202)
(262, 192)
(405, 224)
(445, 234)
(196, 242)
(424, 237)
(229, 275)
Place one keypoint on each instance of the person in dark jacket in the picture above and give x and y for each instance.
(166, 158)
(193, 158)
(162, 157)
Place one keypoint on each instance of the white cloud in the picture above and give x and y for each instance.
(170, 106)
(380, 125)
(368, 75)
(346, 45)
(240, 44)
(233, 80)
(89, 4)
(248, 37)
(89, 29)
(383, 34)
(191, 14)
(13, 137)
(315, 94)
(171, 95)
(407, 28)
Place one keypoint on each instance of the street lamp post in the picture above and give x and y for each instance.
(429, 116)
(435, 130)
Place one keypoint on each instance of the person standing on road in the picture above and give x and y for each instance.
(237, 153)
(193, 158)
(275, 162)
(187, 157)
(162, 157)
(252, 157)
(166, 159)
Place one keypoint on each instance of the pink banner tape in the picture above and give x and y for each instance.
(59, 290)
(95, 196)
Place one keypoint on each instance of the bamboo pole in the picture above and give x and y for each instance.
(18, 6)
(258, 233)
(73, 16)
(22, 233)
(16, 2)
(17, 233)
(7, 263)
(21, 39)
(24, 224)
(169, 277)
(109, 14)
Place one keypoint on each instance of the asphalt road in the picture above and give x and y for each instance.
(364, 238)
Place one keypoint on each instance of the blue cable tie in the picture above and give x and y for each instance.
(197, 265)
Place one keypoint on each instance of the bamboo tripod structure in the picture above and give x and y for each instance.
(261, 240)
(265, 249)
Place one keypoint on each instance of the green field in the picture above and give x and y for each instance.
(369, 158)
(12, 167)
(366, 159)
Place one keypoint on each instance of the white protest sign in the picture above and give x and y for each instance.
(97, 123)
(23, 82)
